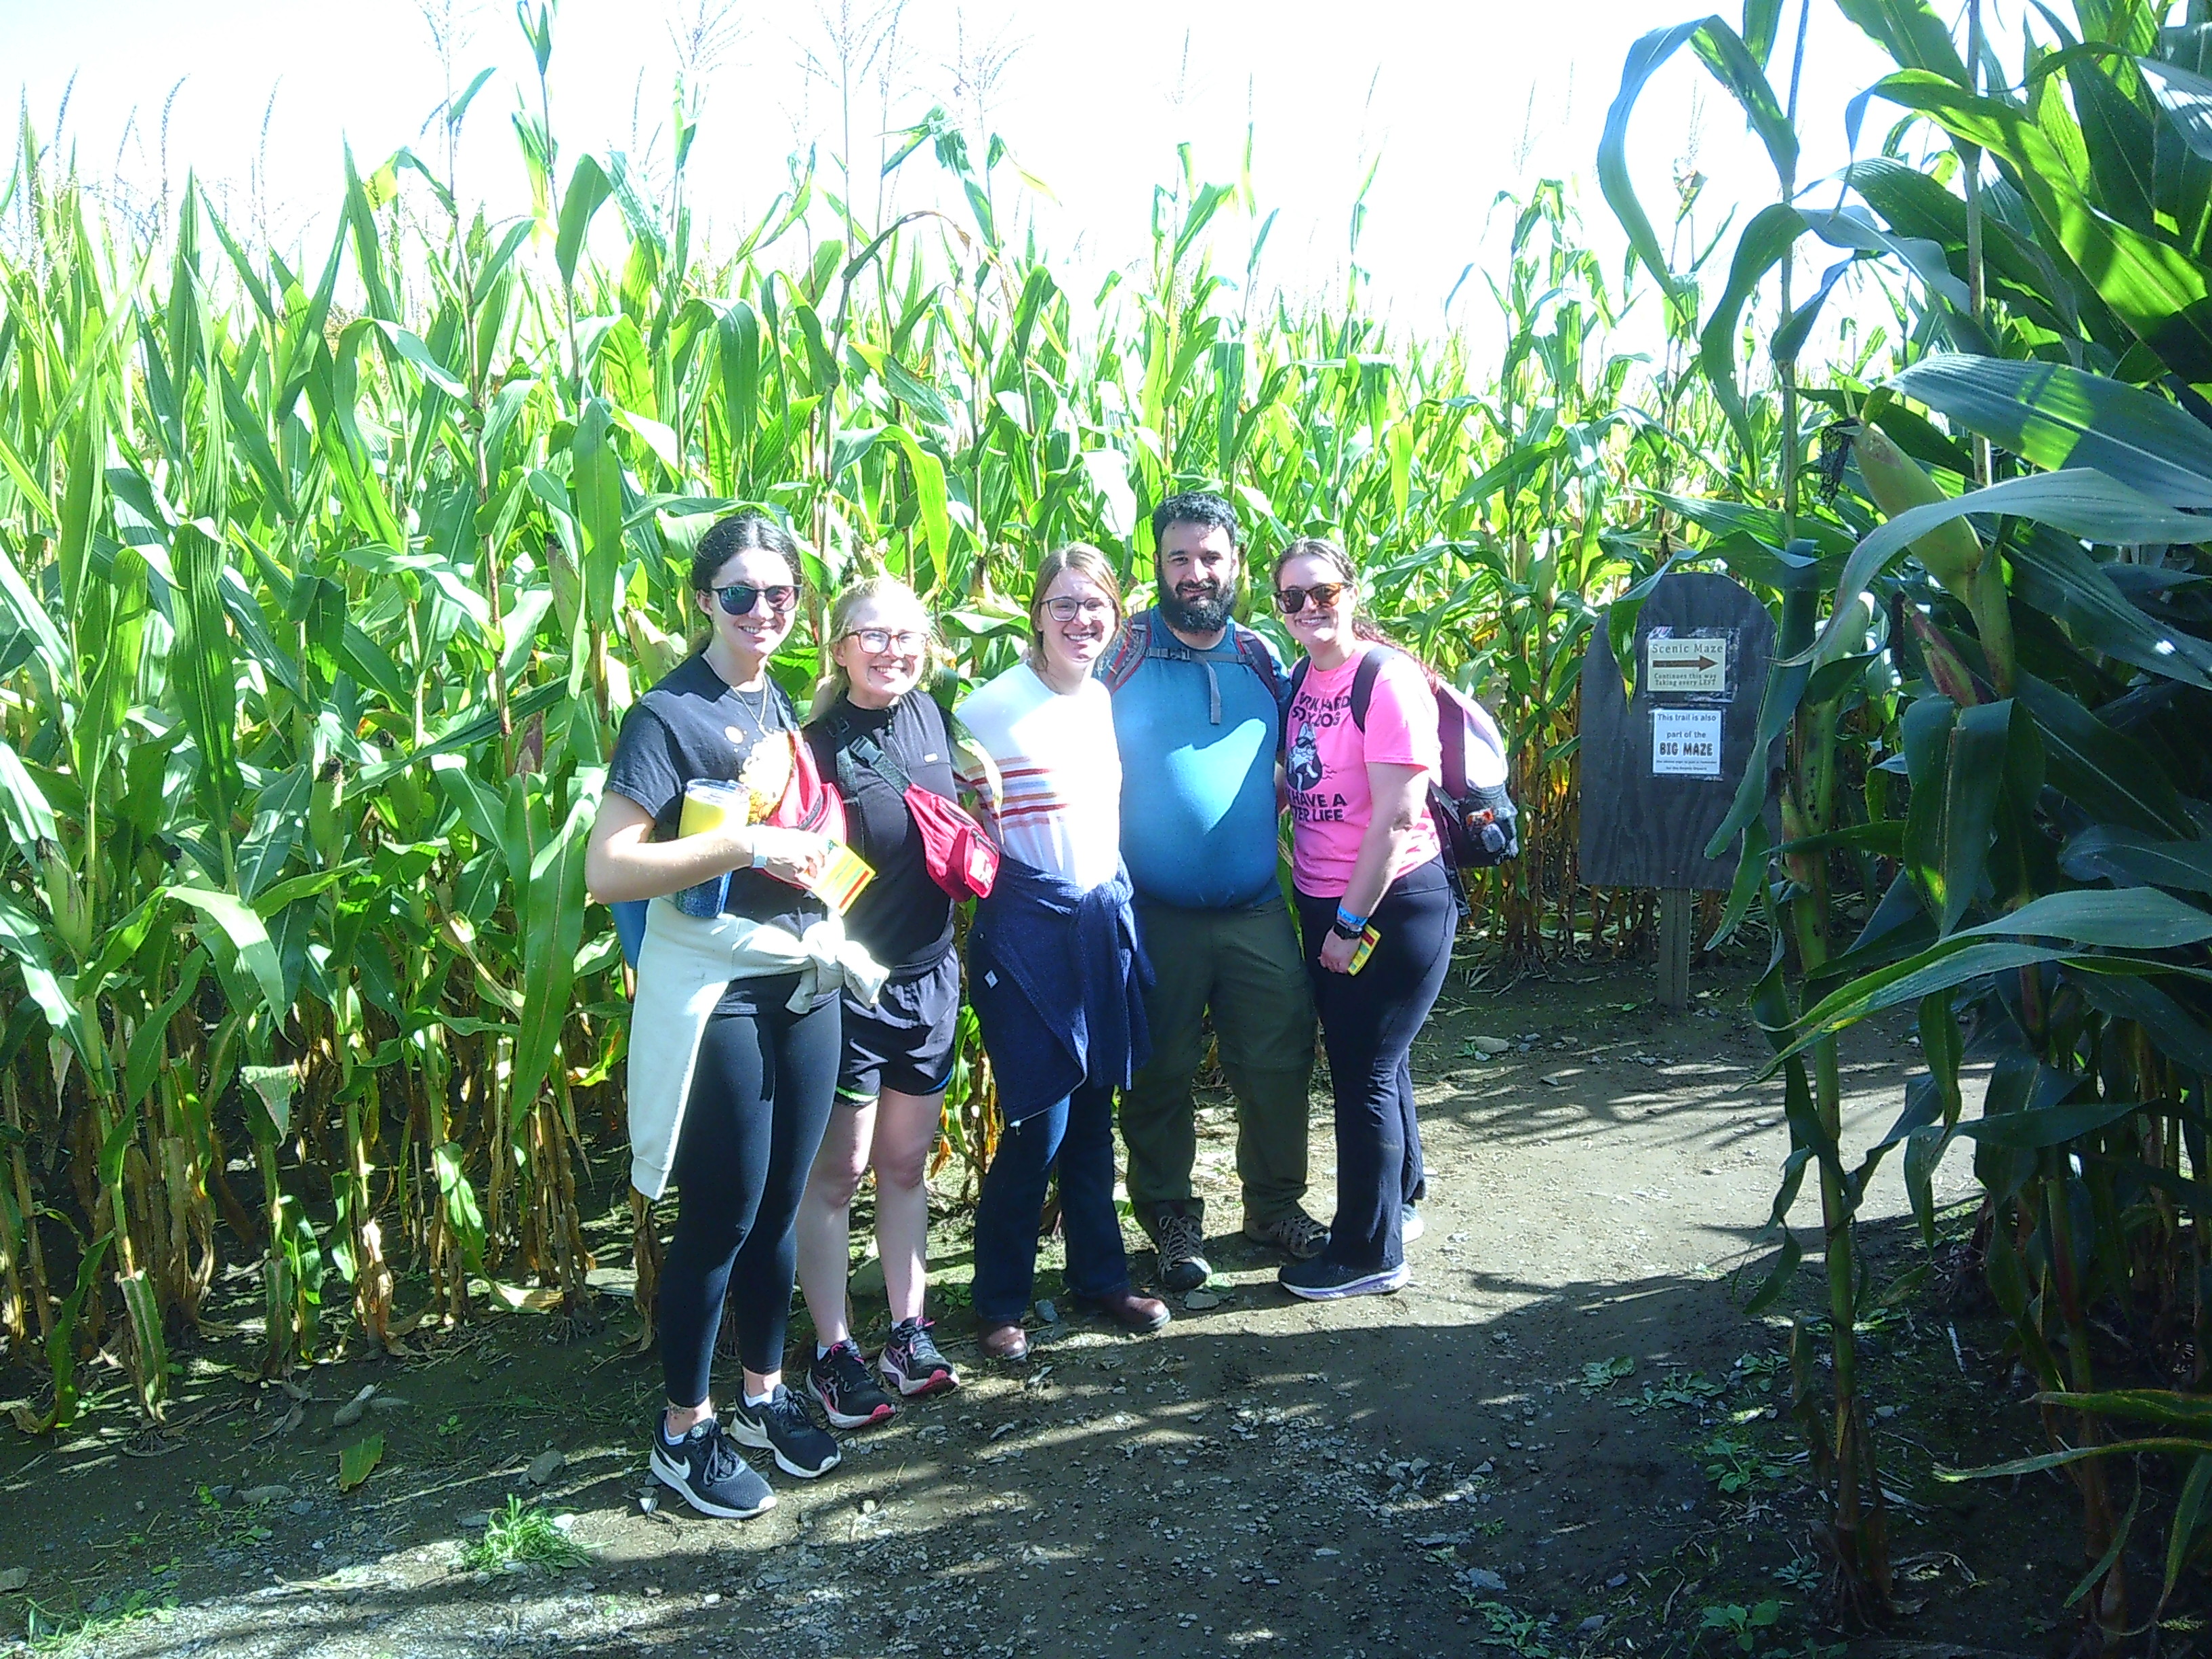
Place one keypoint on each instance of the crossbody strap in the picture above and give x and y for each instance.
(852, 746)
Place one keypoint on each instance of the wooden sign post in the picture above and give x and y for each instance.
(1660, 770)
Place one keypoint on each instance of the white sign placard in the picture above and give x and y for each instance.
(1686, 743)
(1695, 665)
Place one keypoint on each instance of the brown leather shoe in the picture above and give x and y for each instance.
(1007, 1342)
(1130, 1310)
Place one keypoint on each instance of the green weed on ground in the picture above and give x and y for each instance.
(59, 1634)
(524, 1535)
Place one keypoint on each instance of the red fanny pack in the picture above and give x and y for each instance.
(960, 857)
(808, 802)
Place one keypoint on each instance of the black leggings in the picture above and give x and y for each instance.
(760, 1099)
(1368, 1023)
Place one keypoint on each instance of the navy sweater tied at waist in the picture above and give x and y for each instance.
(1057, 979)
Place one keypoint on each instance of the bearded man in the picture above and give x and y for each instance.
(1198, 702)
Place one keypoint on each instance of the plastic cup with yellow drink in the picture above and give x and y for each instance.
(710, 803)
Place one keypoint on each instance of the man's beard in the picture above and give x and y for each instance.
(1205, 614)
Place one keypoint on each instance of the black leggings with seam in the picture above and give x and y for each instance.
(759, 1098)
(1368, 1023)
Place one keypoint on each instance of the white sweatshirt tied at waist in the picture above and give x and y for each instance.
(683, 969)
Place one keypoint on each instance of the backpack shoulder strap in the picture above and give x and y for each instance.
(841, 738)
(1363, 682)
(933, 717)
(1127, 652)
(1253, 652)
(1291, 696)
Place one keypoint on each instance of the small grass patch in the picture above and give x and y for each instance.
(1737, 1465)
(59, 1634)
(1601, 1374)
(1517, 1632)
(524, 1533)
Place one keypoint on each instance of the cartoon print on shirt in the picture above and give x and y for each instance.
(1303, 770)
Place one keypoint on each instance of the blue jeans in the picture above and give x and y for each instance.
(1078, 1132)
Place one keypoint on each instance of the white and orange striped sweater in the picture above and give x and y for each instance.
(1059, 771)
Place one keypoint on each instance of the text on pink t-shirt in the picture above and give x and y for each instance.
(1326, 768)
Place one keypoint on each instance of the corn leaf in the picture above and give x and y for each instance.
(2083, 503)
(358, 1462)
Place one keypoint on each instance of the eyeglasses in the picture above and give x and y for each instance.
(1067, 609)
(1291, 600)
(904, 640)
(739, 598)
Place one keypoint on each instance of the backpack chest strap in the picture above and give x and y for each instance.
(866, 751)
(1159, 642)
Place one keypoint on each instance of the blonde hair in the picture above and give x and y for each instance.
(1085, 561)
(835, 682)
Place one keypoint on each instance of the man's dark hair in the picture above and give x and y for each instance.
(1197, 507)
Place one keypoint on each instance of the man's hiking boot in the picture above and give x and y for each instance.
(1294, 1233)
(1180, 1242)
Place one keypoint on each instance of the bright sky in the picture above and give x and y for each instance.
(1459, 101)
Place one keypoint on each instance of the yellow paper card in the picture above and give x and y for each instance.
(841, 881)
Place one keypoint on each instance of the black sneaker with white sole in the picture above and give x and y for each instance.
(848, 1395)
(705, 1469)
(782, 1425)
(1329, 1281)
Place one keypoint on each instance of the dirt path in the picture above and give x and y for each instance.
(1515, 1451)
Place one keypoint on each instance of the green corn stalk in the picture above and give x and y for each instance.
(327, 576)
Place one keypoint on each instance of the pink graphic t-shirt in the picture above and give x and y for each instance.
(1326, 768)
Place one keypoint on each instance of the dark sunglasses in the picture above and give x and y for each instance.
(1291, 600)
(739, 598)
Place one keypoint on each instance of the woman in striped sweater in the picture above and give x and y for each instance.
(1053, 969)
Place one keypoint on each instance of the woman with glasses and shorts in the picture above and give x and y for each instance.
(1053, 969)
(876, 730)
(1375, 905)
(738, 1142)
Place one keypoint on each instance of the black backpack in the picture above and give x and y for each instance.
(1476, 820)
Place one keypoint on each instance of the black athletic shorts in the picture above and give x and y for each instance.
(905, 1042)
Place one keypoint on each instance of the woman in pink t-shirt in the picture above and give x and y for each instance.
(1362, 751)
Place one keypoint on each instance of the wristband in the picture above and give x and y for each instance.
(1348, 924)
(760, 855)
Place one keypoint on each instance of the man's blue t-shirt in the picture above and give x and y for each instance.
(1197, 799)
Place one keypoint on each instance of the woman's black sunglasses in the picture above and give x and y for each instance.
(1291, 600)
(739, 598)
